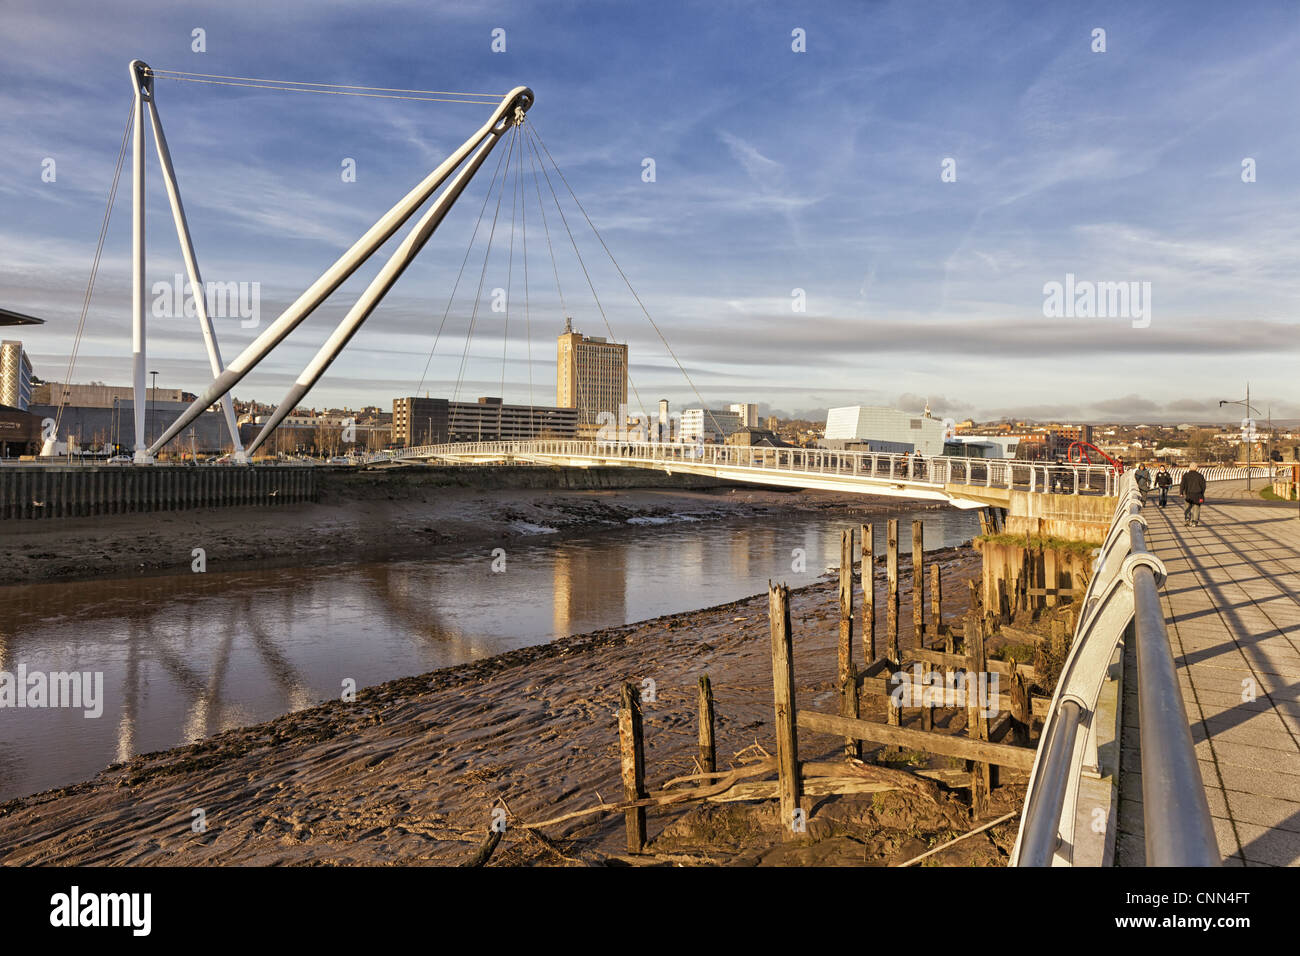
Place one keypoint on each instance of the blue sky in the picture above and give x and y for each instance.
(775, 170)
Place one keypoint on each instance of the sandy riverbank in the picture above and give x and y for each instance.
(375, 517)
(409, 773)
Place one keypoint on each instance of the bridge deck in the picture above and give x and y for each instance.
(1232, 604)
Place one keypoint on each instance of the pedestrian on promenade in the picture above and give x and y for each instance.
(1192, 488)
(1143, 479)
(1163, 481)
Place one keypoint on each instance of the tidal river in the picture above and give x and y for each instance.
(170, 660)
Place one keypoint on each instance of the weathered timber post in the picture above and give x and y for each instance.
(891, 611)
(1021, 713)
(787, 741)
(869, 593)
(708, 752)
(847, 672)
(936, 603)
(918, 582)
(976, 720)
(632, 750)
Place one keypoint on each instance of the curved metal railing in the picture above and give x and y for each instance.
(1123, 597)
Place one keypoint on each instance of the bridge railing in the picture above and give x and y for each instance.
(1122, 601)
(900, 469)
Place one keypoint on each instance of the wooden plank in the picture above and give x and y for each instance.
(1025, 637)
(787, 741)
(632, 764)
(708, 751)
(943, 659)
(830, 786)
(868, 592)
(943, 745)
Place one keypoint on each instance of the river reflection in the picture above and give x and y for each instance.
(188, 656)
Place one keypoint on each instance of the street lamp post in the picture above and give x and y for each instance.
(1248, 439)
(153, 393)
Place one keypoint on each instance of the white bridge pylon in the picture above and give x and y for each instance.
(508, 113)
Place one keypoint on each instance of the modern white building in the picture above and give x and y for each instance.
(884, 429)
(1003, 446)
(708, 424)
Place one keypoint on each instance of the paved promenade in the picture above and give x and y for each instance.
(1232, 603)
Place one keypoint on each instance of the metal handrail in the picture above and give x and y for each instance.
(1123, 597)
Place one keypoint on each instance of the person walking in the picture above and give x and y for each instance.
(1163, 481)
(1143, 477)
(1192, 488)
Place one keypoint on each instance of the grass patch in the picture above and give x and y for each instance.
(1268, 494)
(1023, 653)
(1068, 545)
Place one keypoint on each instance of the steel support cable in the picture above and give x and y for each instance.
(626, 281)
(293, 87)
(487, 253)
(94, 270)
(528, 327)
(510, 273)
(627, 371)
(468, 249)
(559, 289)
(167, 74)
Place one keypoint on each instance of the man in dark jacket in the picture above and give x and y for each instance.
(1163, 481)
(1192, 488)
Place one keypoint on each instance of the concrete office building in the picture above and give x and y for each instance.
(748, 413)
(709, 424)
(591, 377)
(15, 376)
(879, 429)
(103, 396)
(437, 421)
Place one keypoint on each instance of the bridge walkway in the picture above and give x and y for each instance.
(1232, 605)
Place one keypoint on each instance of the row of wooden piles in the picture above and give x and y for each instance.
(952, 654)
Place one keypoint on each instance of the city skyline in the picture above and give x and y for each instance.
(775, 170)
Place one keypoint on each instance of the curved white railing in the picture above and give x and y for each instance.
(1122, 598)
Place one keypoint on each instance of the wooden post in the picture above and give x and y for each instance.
(1021, 713)
(977, 725)
(891, 610)
(708, 752)
(984, 522)
(936, 603)
(869, 593)
(918, 583)
(632, 750)
(787, 741)
(847, 672)
(892, 607)
(1051, 577)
